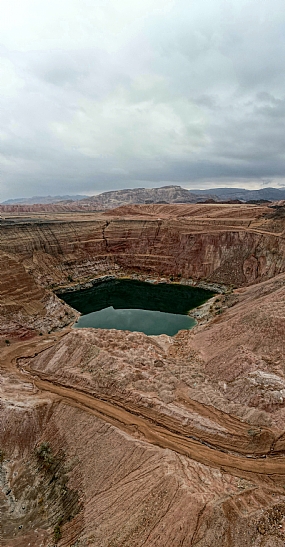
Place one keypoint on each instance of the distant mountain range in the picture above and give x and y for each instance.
(221, 194)
(165, 194)
(42, 199)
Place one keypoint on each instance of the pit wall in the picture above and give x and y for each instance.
(57, 253)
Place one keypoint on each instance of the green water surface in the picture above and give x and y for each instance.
(137, 306)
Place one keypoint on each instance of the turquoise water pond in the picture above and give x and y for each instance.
(137, 306)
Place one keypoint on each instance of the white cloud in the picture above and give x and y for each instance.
(72, 24)
(128, 129)
(97, 95)
(10, 83)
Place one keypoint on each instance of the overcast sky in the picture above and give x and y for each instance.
(98, 95)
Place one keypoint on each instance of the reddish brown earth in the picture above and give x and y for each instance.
(115, 439)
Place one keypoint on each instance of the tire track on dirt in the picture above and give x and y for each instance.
(238, 465)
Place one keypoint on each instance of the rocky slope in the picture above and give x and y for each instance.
(119, 439)
(25, 307)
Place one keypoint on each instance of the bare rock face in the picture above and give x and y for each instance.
(118, 439)
(225, 244)
(243, 348)
(25, 307)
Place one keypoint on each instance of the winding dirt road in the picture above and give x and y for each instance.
(163, 437)
(269, 468)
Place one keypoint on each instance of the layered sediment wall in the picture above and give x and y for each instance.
(218, 250)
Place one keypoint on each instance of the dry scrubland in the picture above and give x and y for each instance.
(117, 439)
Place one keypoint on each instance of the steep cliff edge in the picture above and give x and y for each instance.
(26, 308)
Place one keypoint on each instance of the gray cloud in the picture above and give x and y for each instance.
(97, 97)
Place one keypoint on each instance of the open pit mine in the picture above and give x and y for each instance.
(113, 438)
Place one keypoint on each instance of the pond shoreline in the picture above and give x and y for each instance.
(149, 299)
(215, 287)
